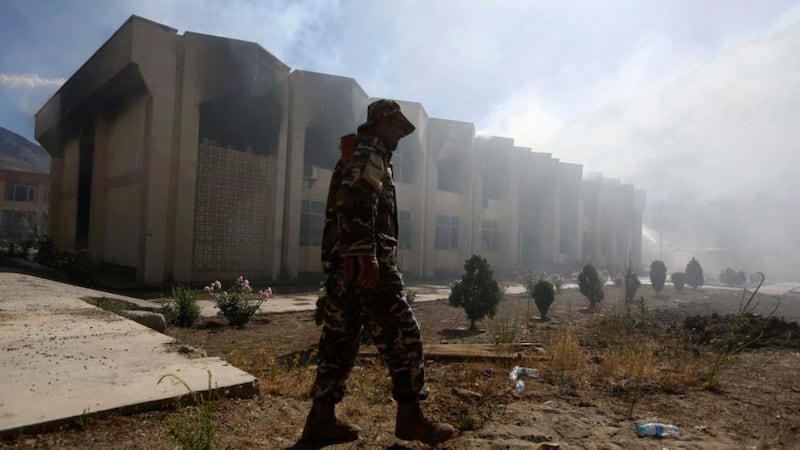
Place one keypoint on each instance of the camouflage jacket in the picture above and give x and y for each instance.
(361, 211)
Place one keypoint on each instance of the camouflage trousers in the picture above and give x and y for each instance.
(383, 313)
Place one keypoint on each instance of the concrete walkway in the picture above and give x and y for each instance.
(306, 301)
(61, 358)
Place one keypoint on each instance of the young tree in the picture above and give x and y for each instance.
(544, 293)
(658, 275)
(632, 284)
(694, 274)
(590, 285)
(678, 280)
(477, 291)
(727, 276)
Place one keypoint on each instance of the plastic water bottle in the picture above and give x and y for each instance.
(518, 371)
(658, 430)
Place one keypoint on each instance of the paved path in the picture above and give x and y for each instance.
(61, 357)
(306, 301)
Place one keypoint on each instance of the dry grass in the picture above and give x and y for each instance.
(568, 355)
(291, 378)
(635, 360)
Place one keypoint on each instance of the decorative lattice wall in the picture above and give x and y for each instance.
(234, 198)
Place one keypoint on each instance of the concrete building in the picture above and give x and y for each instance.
(165, 154)
(612, 222)
(24, 204)
(192, 157)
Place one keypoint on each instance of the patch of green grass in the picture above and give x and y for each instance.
(197, 431)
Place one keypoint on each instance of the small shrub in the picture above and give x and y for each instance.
(678, 280)
(238, 304)
(506, 331)
(544, 294)
(477, 291)
(466, 422)
(694, 274)
(658, 275)
(733, 278)
(632, 284)
(75, 265)
(183, 310)
(591, 286)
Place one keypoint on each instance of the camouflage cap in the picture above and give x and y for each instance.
(383, 108)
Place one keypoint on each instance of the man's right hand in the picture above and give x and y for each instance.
(365, 266)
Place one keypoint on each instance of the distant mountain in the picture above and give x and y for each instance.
(18, 153)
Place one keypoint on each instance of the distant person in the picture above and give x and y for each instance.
(364, 286)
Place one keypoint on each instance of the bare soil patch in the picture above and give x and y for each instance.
(605, 372)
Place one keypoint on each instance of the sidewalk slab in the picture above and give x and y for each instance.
(62, 358)
(295, 302)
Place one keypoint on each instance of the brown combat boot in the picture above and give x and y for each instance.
(412, 425)
(322, 426)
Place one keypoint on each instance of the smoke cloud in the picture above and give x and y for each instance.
(28, 81)
(716, 148)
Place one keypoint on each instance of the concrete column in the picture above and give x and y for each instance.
(418, 213)
(97, 228)
(156, 54)
(186, 155)
(474, 199)
(56, 179)
(276, 232)
(429, 215)
(296, 141)
(551, 218)
(511, 255)
(577, 256)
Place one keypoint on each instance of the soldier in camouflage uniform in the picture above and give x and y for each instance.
(364, 286)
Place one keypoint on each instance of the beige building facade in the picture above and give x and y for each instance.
(190, 157)
(24, 211)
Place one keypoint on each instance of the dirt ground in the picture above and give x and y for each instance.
(601, 373)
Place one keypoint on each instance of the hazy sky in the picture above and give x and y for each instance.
(693, 100)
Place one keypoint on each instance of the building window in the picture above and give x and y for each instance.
(312, 221)
(404, 232)
(489, 234)
(20, 193)
(446, 232)
(17, 225)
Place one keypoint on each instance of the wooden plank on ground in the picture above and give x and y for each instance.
(460, 352)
